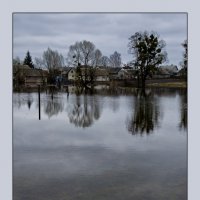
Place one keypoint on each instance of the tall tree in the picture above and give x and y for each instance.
(39, 63)
(115, 59)
(88, 51)
(28, 60)
(148, 53)
(97, 58)
(85, 57)
(83, 53)
(184, 63)
(74, 56)
(105, 61)
(52, 59)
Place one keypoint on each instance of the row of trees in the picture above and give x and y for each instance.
(147, 49)
(81, 53)
(85, 53)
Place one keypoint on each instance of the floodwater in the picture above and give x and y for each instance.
(115, 144)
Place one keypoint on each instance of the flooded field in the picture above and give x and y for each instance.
(107, 145)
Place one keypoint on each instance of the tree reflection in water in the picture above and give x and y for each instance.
(145, 113)
(53, 106)
(84, 111)
(29, 101)
(183, 109)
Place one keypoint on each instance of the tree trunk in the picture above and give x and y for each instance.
(138, 81)
(143, 82)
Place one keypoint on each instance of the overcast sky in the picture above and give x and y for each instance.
(109, 32)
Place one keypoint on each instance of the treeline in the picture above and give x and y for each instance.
(81, 53)
(147, 50)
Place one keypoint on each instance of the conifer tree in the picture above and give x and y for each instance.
(28, 60)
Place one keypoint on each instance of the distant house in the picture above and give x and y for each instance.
(60, 75)
(166, 71)
(71, 74)
(182, 72)
(126, 73)
(171, 69)
(101, 75)
(63, 75)
(24, 75)
(18, 73)
(113, 73)
(161, 73)
(34, 77)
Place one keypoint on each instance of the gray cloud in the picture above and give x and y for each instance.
(109, 32)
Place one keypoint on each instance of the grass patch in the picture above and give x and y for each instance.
(169, 84)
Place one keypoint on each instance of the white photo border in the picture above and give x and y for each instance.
(11, 6)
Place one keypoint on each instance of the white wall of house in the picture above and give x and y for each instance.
(72, 74)
(102, 78)
(121, 74)
(125, 74)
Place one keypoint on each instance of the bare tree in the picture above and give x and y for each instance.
(84, 53)
(74, 56)
(52, 59)
(97, 58)
(115, 59)
(85, 57)
(105, 61)
(39, 63)
(88, 51)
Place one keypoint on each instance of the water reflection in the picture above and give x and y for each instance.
(84, 110)
(183, 110)
(103, 161)
(146, 112)
(29, 101)
(52, 106)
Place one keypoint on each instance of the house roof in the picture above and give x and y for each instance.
(35, 73)
(101, 72)
(127, 71)
(163, 71)
(66, 69)
(16, 68)
(114, 70)
(98, 71)
(169, 68)
(25, 70)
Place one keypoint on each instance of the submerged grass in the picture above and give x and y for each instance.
(169, 84)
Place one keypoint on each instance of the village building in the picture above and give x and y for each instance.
(102, 75)
(29, 77)
(61, 75)
(127, 73)
(166, 71)
(71, 74)
(113, 73)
